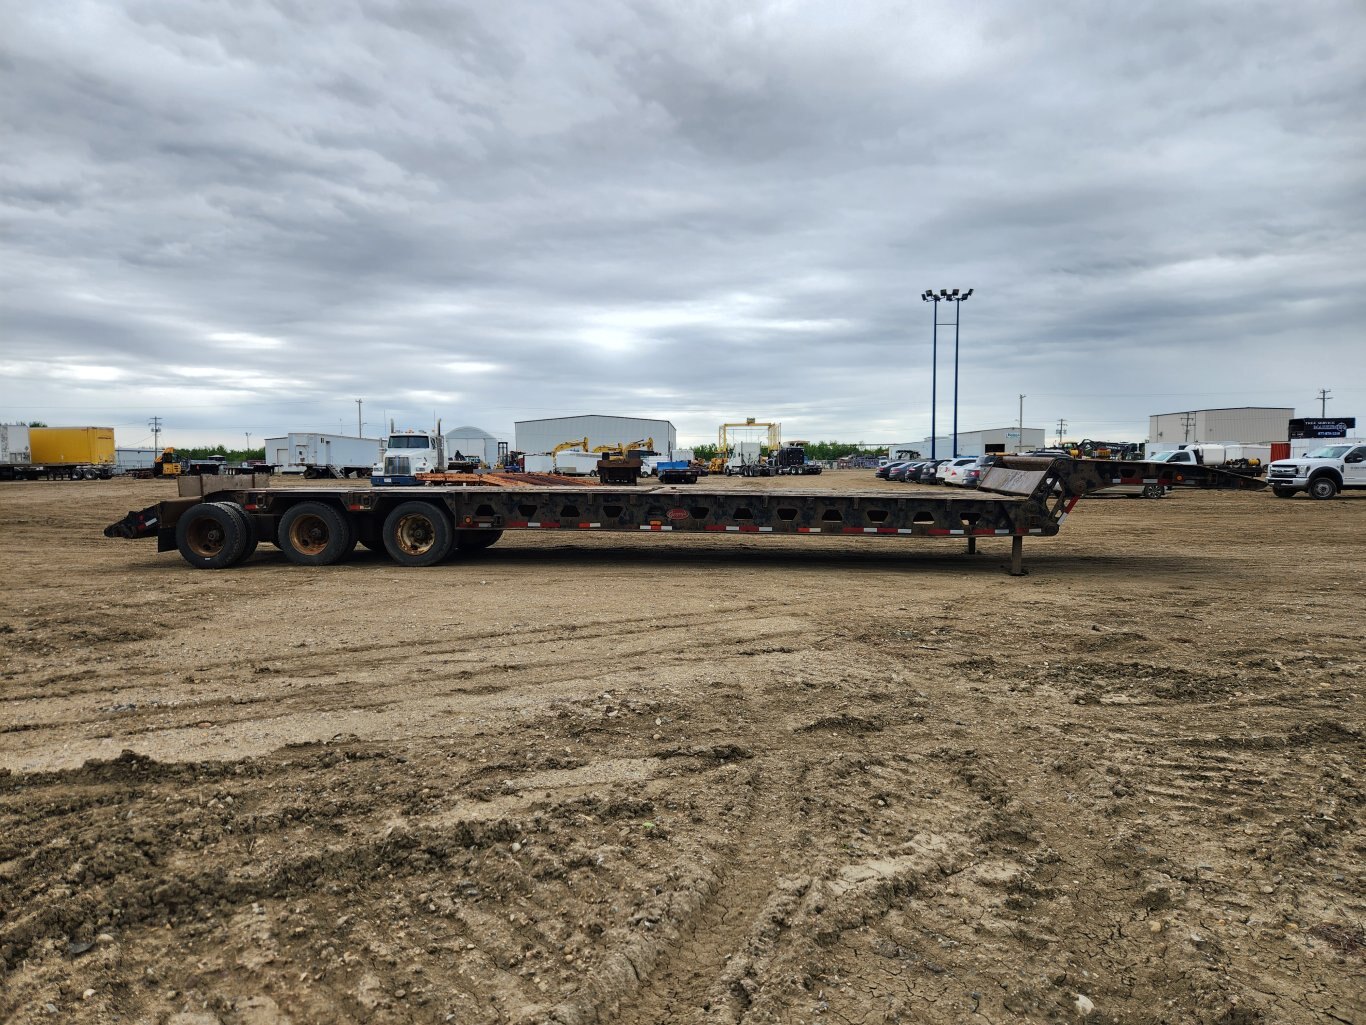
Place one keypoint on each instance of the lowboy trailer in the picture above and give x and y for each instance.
(218, 522)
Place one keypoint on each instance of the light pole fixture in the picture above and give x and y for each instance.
(949, 296)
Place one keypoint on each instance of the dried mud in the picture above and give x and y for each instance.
(664, 779)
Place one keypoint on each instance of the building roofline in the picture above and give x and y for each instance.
(1225, 409)
(600, 416)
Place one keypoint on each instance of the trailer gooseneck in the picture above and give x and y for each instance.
(221, 521)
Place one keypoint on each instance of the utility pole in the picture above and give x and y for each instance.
(1187, 422)
(248, 434)
(155, 424)
(359, 432)
(1324, 396)
(1019, 442)
(1062, 426)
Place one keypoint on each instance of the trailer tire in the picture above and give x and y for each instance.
(1323, 486)
(209, 536)
(368, 533)
(249, 538)
(418, 534)
(315, 534)
(476, 540)
(1281, 491)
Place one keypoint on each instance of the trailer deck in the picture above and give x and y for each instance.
(219, 522)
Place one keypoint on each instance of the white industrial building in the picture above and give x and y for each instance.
(1248, 425)
(473, 443)
(972, 443)
(538, 436)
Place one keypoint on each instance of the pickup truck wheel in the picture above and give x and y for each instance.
(1280, 491)
(418, 534)
(315, 534)
(249, 538)
(476, 540)
(1323, 487)
(209, 536)
(1154, 491)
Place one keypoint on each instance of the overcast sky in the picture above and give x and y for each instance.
(241, 217)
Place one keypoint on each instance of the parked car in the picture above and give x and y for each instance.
(903, 472)
(929, 471)
(949, 472)
(884, 472)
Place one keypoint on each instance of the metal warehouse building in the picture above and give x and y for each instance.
(537, 436)
(1248, 425)
(973, 443)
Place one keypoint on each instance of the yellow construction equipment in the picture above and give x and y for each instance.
(647, 444)
(774, 438)
(565, 446)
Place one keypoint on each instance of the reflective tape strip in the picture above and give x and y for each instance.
(549, 525)
(808, 530)
(520, 523)
(589, 526)
(654, 526)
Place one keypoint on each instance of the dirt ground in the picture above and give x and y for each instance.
(643, 779)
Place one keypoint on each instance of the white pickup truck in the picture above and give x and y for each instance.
(1323, 472)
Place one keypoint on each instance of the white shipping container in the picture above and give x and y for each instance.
(539, 464)
(14, 447)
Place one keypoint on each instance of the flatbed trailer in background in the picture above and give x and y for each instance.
(217, 522)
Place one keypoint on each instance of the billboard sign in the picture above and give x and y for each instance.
(1322, 427)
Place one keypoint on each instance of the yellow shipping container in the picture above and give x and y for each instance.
(92, 445)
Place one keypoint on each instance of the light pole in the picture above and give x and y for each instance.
(950, 296)
(929, 297)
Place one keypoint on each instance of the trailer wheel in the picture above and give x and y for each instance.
(209, 536)
(1323, 487)
(1281, 491)
(476, 540)
(315, 534)
(249, 538)
(368, 533)
(418, 534)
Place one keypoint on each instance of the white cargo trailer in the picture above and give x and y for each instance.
(327, 455)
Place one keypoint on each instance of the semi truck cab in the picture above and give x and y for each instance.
(408, 453)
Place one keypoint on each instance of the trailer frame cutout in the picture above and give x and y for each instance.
(1018, 497)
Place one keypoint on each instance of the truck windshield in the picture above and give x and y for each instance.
(1171, 457)
(409, 441)
(1329, 452)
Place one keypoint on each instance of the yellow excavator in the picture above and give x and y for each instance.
(647, 444)
(565, 446)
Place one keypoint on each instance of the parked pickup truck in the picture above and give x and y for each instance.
(1323, 472)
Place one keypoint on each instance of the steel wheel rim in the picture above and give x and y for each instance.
(309, 534)
(205, 537)
(415, 534)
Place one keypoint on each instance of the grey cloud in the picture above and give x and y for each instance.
(639, 207)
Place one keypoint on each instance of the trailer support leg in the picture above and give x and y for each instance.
(972, 545)
(1017, 556)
